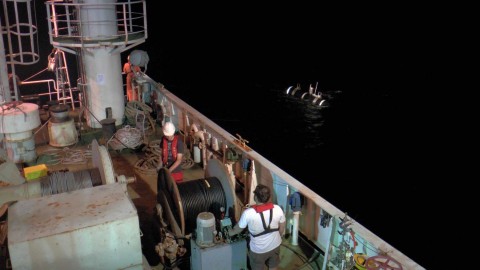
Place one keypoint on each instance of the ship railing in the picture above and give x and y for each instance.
(92, 25)
(335, 240)
(50, 85)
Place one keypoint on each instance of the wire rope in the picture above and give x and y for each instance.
(202, 195)
(66, 181)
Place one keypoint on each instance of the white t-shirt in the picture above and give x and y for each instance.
(252, 219)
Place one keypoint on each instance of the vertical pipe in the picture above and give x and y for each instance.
(196, 154)
(204, 150)
(54, 19)
(125, 22)
(296, 217)
(49, 18)
(130, 22)
(330, 240)
(32, 31)
(19, 40)
(252, 184)
(68, 22)
(10, 49)
(4, 84)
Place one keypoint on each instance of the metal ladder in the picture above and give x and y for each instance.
(63, 86)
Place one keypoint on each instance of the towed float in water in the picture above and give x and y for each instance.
(313, 95)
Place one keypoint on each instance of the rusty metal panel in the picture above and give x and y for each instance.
(92, 228)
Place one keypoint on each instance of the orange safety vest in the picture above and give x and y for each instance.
(165, 149)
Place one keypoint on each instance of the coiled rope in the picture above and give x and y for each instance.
(60, 181)
(126, 137)
(202, 195)
(67, 156)
(135, 108)
(153, 153)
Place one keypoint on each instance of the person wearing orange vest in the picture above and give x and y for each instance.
(130, 71)
(266, 225)
(172, 151)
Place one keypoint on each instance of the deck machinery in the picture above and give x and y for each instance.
(195, 217)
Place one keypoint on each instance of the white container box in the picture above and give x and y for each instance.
(92, 228)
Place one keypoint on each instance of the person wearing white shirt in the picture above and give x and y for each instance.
(266, 225)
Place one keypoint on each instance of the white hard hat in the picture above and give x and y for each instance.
(168, 129)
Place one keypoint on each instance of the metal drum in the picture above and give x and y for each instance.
(61, 127)
(17, 121)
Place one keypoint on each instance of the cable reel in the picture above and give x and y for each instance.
(59, 182)
(182, 202)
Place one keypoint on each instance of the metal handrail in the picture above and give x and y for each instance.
(49, 83)
(65, 26)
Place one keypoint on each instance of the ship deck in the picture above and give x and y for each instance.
(143, 193)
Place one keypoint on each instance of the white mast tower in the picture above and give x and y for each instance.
(97, 31)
